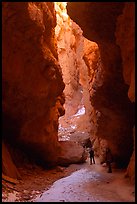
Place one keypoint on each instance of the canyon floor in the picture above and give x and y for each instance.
(76, 183)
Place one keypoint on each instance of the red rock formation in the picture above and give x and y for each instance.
(32, 83)
(125, 38)
(31, 77)
(99, 22)
(68, 35)
(70, 43)
(71, 152)
(93, 70)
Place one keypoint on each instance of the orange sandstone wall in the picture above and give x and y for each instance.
(69, 37)
(31, 78)
(70, 44)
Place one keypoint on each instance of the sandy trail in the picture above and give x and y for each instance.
(90, 183)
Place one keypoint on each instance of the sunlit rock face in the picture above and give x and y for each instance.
(70, 44)
(66, 44)
(32, 80)
(99, 20)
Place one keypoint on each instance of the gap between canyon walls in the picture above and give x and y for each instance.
(70, 43)
(82, 72)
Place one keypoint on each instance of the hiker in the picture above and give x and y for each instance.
(88, 145)
(91, 153)
(109, 159)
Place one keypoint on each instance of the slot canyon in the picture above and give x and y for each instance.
(68, 77)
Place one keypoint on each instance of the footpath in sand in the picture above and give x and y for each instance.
(90, 183)
(75, 183)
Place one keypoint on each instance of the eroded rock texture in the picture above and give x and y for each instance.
(91, 77)
(32, 79)
(70, 44)
(68, 35)
(100, 23)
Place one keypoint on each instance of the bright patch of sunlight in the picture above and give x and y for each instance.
(81, 111)
(60, 8)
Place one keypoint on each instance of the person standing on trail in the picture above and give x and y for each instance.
(109, 159)
(88, 145)
(91, 153)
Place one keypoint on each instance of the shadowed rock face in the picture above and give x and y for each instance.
(32, 81)
(99, 22)
(96, 19)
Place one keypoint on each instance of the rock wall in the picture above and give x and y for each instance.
(68, 35)
(70, 43)
(31, 79)
(91, 77)
(115, 120)
(126, 28)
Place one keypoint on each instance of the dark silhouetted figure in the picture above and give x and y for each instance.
(88, 144)
(91, 153)
(109, 159)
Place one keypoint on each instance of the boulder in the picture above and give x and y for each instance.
(71, 153)
(81, 137)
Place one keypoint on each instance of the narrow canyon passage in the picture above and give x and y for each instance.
(68, 84)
